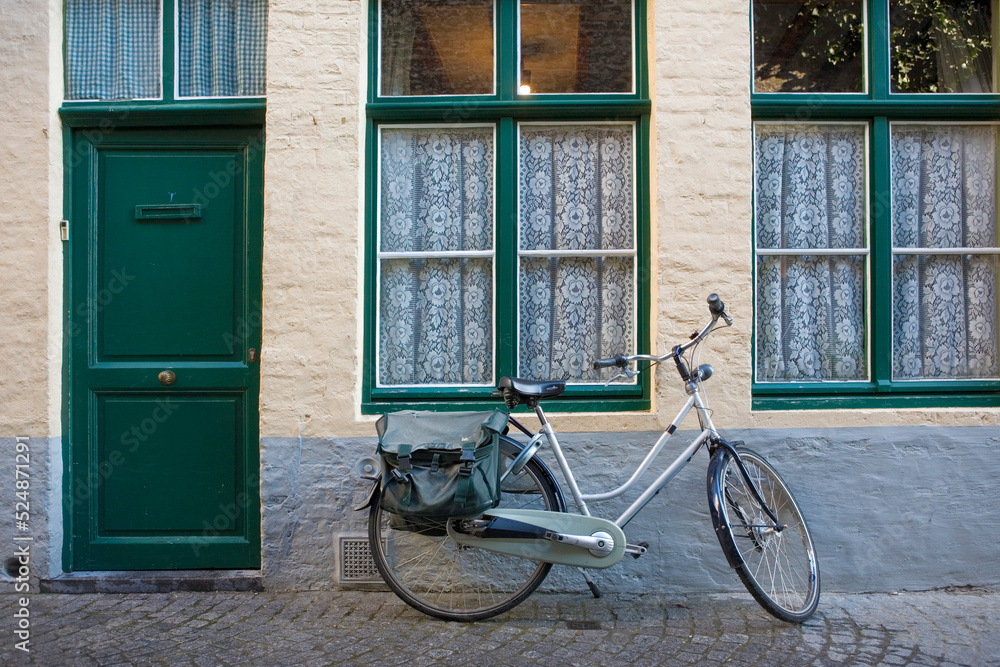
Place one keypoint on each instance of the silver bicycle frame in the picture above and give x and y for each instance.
(708, 431)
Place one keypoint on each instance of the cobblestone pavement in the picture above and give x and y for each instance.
(358, 628)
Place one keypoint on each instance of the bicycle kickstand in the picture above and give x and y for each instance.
(590, 582)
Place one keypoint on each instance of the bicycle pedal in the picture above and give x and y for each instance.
(637, 549)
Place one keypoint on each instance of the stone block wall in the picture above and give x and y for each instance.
(889, 508)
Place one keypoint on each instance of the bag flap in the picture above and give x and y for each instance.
(437, 430)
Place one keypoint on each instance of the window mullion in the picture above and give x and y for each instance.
(880, 301)
(506, 60)
(878, 49)
(169, 52)
(505, 314)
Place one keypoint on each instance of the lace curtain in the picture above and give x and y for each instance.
(221, 47)
(112, 49)
(576, 198)
(436, 266)
(809, 196)
(945, 305)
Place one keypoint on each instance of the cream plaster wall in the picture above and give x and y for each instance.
(312, 208)
(24, 219)
(700, 71)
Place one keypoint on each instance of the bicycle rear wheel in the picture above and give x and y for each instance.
(433, 574)
(779, 568)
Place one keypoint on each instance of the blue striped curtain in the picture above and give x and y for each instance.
(112, 49)
(221, 47)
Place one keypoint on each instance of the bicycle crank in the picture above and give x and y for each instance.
(551, 537)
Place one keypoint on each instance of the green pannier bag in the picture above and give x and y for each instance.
(437, 465)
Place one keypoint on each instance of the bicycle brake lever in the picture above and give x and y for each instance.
(627, 374)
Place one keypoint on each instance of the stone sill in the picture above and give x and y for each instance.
(154, 581)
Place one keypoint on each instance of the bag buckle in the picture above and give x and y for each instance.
(403, 460)
(468, 459)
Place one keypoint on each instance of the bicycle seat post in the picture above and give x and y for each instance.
(550, 434)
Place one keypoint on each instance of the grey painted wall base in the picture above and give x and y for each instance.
(41, 533)
(911, 508)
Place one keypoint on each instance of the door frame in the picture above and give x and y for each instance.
(97, 128)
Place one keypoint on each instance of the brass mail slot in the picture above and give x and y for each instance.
(179, 212)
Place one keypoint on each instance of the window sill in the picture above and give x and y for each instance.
(609, 404)
(858, 401)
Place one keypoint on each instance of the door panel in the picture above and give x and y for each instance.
(165, 260)
(151, 443)
(184, 301)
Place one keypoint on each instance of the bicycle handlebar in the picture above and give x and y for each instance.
(621, 361)
(715, 306)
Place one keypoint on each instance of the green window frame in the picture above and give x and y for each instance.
(506, 110)
(880, 111)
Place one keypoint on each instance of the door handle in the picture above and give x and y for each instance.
(166, 378)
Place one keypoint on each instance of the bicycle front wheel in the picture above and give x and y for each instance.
(431, 573)
(778, 567)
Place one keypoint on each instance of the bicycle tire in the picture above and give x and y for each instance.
(779, 569)
(431, 573)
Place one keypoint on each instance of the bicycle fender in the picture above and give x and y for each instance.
(373, 495)
(715, 500)
(530, 544)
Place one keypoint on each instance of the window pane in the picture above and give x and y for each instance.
(812, 46)
(436, 189)
(221, 48)
(942, 46)
(436, 322)
(945, 305)
(437, 47)
(809, 194)
(576, 187)
(575, 197)
(436, 313)
(810, 318)
(810, 190)
(572, 311)
(112, 50)
(576, 47)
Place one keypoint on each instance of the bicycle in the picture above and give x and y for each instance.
(471, 569)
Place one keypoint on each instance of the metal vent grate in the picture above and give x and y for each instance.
(356, 564)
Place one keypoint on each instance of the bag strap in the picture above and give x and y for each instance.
(463, 492)
(493, 425)
(403, 458)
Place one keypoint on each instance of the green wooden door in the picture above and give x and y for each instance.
(164, 336)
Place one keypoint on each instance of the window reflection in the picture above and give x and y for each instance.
(437, 47)
(942, 46)
(576, 47)
(812, 46)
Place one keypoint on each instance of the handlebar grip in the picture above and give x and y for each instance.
(715, 304)
(619, 361)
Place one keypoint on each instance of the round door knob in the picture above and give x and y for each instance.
(167, 378)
